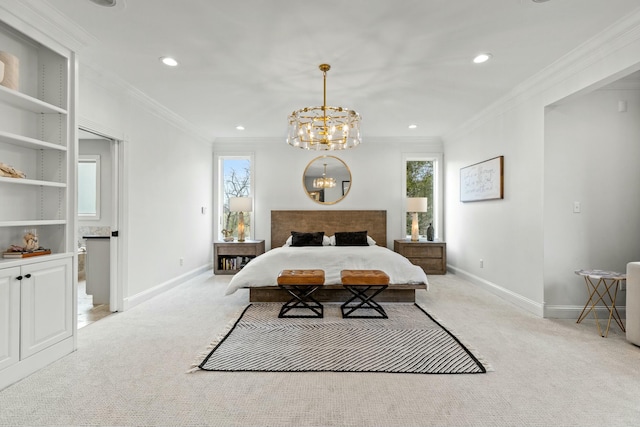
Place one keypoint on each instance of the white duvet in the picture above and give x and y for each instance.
(263, 270)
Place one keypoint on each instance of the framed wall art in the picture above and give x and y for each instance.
(482, 181)
(345, 187)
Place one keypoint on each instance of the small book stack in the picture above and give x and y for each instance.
(27, 254)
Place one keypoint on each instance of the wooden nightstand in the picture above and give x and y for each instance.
(230, 257)
(431, 256)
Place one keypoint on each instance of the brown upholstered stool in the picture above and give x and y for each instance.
(301, 284)
(364, 285)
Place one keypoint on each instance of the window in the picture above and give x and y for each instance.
(234, 180)
(423, 179)
(89, 187)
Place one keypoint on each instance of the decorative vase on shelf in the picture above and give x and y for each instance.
(228, 235)
(10, 77)
(430, 233)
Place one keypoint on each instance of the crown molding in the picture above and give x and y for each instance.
(45, 24)
(427, 140)
(111, 82)
(592, 51)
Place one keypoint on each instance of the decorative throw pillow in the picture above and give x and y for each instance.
(307, 239)
(326, 241)
(351, 238)
(332, 241)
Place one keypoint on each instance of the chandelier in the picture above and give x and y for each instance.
(324, 128)
(324, 181)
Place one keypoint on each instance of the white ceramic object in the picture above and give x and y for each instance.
(10, 74)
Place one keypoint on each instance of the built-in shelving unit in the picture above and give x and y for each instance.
(37, 294)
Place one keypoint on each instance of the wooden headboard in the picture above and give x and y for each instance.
(329, 221)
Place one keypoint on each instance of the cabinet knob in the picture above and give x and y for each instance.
(19, 278)
(27, 275)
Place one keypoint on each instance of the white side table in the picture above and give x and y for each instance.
(605, 282)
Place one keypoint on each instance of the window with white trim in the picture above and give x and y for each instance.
(422, 178)
(89, 187)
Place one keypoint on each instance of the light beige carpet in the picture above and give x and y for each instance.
(130, 369)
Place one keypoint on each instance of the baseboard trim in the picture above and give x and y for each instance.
(543, 310)
(514, 298)
(573, 312)
(22, 369)
(143, 296)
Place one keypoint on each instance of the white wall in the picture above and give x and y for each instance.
(167, 181)
(509, 234)
(592, 156)
(505, 234)
(376, 169)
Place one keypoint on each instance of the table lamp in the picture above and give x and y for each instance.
(240, 205)
(415, 205)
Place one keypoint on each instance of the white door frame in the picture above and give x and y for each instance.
(116, 266)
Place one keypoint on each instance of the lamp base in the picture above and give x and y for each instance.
(240, 227)
(415, 234)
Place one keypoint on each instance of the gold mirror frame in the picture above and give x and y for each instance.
(337, 169)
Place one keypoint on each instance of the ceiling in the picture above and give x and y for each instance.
(252, 62)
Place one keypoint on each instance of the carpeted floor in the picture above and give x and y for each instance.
(408, 341)
(130, 370)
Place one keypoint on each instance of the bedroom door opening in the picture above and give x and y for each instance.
(99, 172)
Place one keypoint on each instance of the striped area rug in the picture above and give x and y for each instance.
(409, 341)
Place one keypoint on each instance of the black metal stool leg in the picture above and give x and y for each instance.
(302, 299)
(364, 302)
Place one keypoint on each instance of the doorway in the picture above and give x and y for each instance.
(97, 226)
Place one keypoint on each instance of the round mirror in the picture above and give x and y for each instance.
(326, 180)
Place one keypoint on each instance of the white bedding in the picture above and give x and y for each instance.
(263, 270)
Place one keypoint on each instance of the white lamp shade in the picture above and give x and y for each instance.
(240, 204)
(417, 204)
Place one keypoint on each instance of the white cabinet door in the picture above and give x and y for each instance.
(9, 316)
(46, 306)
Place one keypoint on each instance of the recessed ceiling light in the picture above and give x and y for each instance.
(240, 127)
(105, 3)
(167, 60)
(483, 57)
(539, 1)
(413, 126)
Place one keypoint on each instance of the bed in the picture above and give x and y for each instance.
(260, 275)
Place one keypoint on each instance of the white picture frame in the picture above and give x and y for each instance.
(482, 181)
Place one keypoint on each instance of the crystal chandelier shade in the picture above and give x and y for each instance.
(324, 181)
(324, 128)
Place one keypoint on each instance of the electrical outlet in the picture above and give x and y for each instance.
(181, 262)
(576, 207)
(481, 263)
